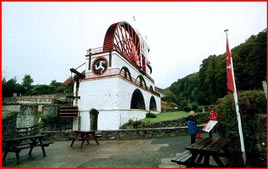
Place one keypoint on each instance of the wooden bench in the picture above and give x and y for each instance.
(27, 131)
(98, 136)
(202, 152)
(84, 136)
(184, 158)
(75, 137)
(20, 143)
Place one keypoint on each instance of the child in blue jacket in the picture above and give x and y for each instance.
(192, 126)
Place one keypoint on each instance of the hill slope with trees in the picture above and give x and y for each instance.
(210, 83)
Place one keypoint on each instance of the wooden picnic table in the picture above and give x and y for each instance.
(27, 142)
(209, 147)
(83, 136)
(200, 153)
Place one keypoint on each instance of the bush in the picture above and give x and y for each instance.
(195, 107)
(150, 115)
(131, 124)
(251, 105)
(186, 108)
(201, 118)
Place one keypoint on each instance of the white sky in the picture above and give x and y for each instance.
(46, 39)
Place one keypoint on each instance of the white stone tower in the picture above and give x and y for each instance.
(116, 84)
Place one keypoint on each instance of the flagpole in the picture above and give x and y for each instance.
(240, 130)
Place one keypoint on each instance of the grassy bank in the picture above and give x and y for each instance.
(6, 114)
(165, 116)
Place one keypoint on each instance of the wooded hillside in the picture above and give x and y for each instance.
(210, 83)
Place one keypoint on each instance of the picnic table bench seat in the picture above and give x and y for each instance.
(84, 135)
(26, 146)
(26, 131)
(183, 158)
(98, 136)
(80, 139)
(200, 153)
(74, 137)
(20, 143)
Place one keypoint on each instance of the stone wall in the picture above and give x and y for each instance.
(163, 124)
(11, 108)
(38, 99)
(50, 110)
(8, 126)
(27, 116)
(127, 134)
(50, 117)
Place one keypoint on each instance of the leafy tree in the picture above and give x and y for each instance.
(40, 89)
(11, 87)
(8, 87)
(209, 84)
(26, 88)
(56, 87)
(27, 84)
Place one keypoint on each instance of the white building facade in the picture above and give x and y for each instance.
(115, 88)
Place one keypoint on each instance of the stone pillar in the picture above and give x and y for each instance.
(27, 116)
(50, 119)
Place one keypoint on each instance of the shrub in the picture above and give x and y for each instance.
(186, 108)
(195, 107)
(251, 105)
(201, 118)
(133, 124)
(150, 115)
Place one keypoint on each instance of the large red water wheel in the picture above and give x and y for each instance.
(123, 38)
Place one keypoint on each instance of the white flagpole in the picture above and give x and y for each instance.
(240, 130)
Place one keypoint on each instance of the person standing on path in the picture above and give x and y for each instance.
(192, 126)
(212, 116)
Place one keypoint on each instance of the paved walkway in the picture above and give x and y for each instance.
(148, 153)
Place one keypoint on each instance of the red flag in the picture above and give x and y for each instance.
(229, 67)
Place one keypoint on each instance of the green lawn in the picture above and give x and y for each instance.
(5, 114)
(164, 116)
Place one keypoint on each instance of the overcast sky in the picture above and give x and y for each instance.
(46, 39)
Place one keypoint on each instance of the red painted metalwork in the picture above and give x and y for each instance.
(122, 37)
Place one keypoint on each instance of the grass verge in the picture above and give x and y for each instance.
(165, 116)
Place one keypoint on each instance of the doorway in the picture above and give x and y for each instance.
(94, 119)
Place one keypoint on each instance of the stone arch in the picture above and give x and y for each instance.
(126, 73)
(141, 82)
(93, 113)
(137, 100)
(153, 104)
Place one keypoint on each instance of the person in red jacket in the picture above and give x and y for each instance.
(212, 116)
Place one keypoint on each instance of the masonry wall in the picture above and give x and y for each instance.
(9, 126)
(128, 134)
(27, 116)
(38, 99)
(111, 97)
